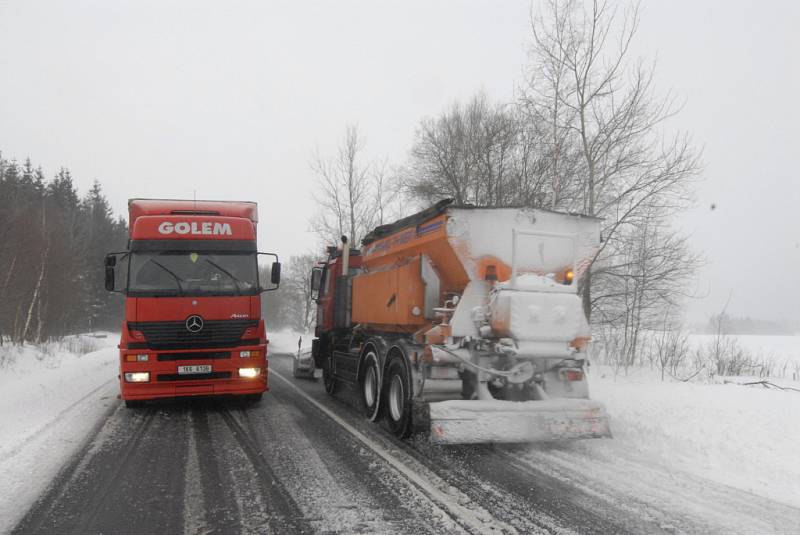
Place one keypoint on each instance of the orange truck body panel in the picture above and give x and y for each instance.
(430, 239)
(392, 297)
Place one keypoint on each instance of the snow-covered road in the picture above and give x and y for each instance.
(301, 461)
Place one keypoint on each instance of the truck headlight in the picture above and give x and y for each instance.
(137, 377)
(249, 373)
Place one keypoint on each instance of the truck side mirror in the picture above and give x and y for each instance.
(110, 264)
(275, 273)
(316, 282)
(274, 269)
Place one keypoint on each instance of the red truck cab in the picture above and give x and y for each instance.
(193, 321)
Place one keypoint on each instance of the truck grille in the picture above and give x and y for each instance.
(173, 334)
(210, 355)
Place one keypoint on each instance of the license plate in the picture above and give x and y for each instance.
(189, 370)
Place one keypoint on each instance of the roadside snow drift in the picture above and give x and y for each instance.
(50, 400)
(742, 436)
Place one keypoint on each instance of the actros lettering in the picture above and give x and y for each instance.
(195, 227)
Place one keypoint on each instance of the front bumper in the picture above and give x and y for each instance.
(166, 382)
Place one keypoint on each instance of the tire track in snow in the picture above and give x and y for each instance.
(471, 516)
(31, 520)
(530, 505)
(540, 503)
(112, 478)
(194, 505)
(220, 509)
(50, 505)
(283, 514)
(678, 501)
(340, 485)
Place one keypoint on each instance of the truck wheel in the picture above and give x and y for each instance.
(370, 386)
(397, 397)
(134, 403)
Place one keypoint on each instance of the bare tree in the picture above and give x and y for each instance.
(299, 284)
(35, 302)
(291, 305)
(387, 192)
(352, 191)
(475, 153)
(546, 116)
(671, 347)
(642, 282)
(599, 101)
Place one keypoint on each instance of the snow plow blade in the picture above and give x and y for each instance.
(480, 422)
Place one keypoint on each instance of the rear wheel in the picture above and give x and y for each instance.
(397, 397)
(370, 386)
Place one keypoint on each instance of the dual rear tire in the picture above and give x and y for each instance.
(371, 387)
(390, 398)
(397, 395)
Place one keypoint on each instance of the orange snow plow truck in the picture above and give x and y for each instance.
(463, 323)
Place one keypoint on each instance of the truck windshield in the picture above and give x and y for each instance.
(174, 273)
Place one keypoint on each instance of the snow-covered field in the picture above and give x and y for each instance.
(780, 350)
(783, 347)
(50, 399)
(741, 436)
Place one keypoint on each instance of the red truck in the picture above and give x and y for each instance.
(193, 323)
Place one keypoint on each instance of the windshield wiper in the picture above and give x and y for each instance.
(177, 278)
(228, 273)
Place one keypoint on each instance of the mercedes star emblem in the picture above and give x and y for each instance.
(194, 324)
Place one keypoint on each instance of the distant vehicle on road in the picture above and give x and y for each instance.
(191, 281)
(303, 363)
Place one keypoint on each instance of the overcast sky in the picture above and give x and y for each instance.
(229, 99)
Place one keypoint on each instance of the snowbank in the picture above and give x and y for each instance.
(51, 397)
(741, 436)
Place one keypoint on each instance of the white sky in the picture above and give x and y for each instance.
(228, 99)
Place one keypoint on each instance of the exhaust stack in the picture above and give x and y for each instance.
(345, 256)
